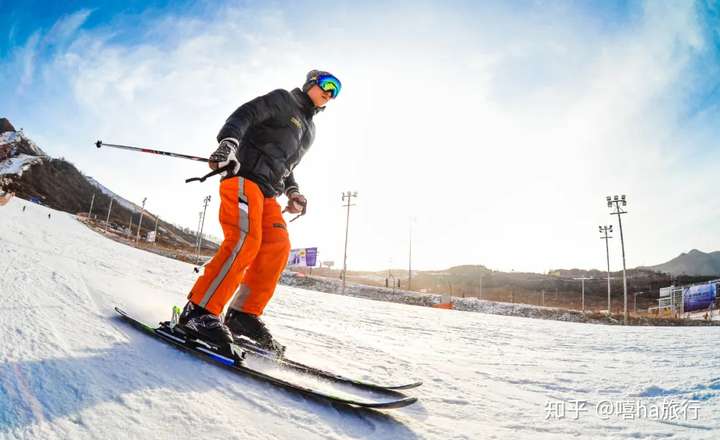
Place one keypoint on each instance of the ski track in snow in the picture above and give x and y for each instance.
(70, 369)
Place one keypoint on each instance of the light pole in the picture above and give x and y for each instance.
(347, 196)
(635, 295)
(107, 220)
(197, 235)
(582, 281)
(156, 226)
(206, 200)
(604, 230)
(617, 201)
(142, 212)
(92, 202)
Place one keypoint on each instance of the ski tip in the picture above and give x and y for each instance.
(400, 403)
(406, 386)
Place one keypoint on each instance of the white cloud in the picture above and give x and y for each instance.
(24, 60)
(66, 27)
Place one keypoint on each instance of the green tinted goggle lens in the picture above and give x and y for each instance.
(329, 84)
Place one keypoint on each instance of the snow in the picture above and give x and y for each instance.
(70, 369)
(9, 137)
(17, 164)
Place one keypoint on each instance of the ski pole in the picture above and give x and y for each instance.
(168, 153)
(151, 151)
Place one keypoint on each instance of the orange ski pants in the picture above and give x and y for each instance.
(252, 256)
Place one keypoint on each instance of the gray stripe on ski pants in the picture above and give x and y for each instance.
(244, 228)
(241, 296)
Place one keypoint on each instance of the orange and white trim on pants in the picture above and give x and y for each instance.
(252, 255)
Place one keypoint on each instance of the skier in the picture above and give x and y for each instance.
(261, 143)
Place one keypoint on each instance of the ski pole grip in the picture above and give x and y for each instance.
(98, 144)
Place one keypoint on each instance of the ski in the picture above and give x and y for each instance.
(250, 347)
(236, 359)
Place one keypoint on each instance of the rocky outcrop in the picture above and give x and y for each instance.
(5, 125)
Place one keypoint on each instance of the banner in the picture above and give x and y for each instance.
(699, 297)
(303, 257)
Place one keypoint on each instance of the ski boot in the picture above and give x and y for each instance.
(202, 324)
(246, 325)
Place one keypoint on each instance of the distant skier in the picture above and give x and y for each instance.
(261, 142)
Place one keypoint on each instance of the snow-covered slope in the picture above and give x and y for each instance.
(69, 369)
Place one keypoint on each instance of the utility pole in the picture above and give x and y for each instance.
(107, 220)
(604, 230)
(92, 202)
(582, 281)
(142, 212)
(206, 200)
(347, 196)
(617, 201)
(130, 226)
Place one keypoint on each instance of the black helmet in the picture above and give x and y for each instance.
(326, 80)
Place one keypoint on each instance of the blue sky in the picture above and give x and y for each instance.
(499, 126)
(24, 18)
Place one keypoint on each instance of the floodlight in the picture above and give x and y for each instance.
(608, 198)
(616, 197)
(623, 197)
(610, 228)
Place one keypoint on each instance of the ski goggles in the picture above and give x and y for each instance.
(329, 84)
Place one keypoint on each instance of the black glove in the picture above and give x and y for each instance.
(226, 154)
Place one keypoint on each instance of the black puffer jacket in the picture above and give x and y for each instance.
(274, 132)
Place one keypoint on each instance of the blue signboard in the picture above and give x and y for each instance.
(699, 297)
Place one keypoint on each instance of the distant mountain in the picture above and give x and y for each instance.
(695, 262)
